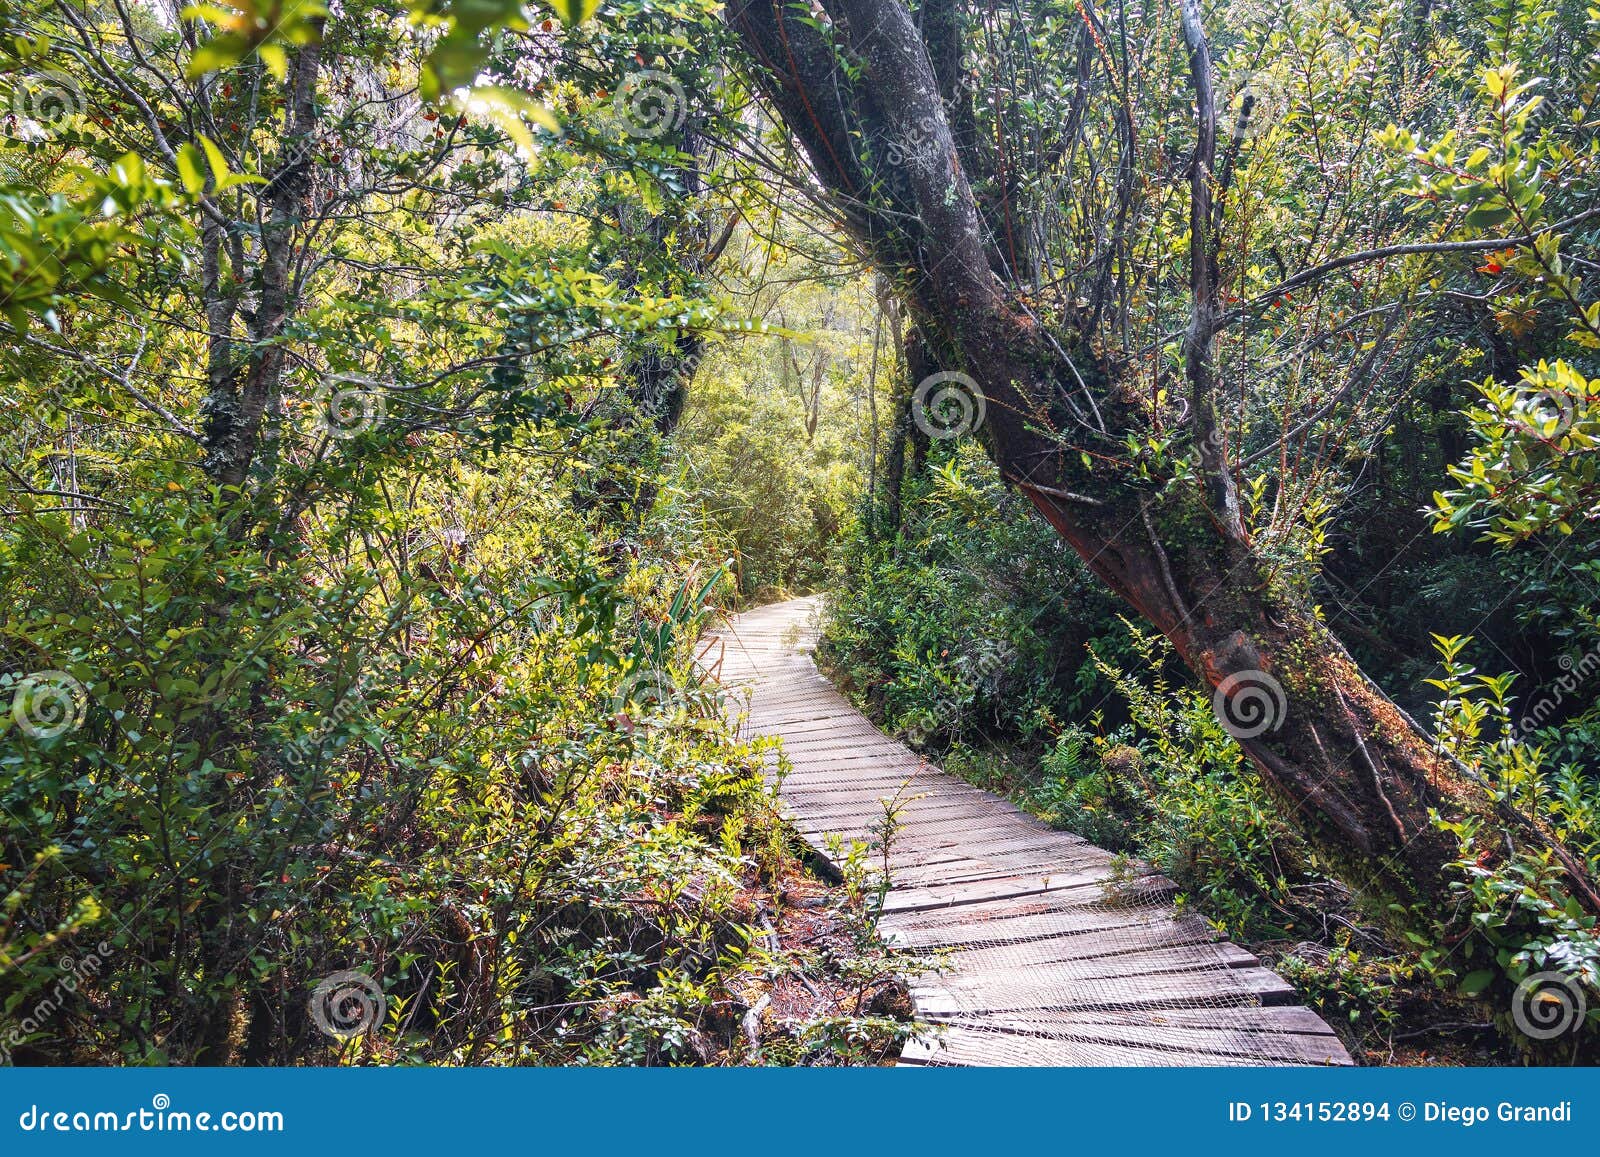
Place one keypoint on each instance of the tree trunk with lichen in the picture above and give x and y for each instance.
(1349, 769)
(904, 433)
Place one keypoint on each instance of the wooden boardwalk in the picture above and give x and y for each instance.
(1041, 948)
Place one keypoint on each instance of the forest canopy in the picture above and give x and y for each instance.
(1189, 411)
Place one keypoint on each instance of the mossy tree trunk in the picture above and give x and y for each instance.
(1351, 771)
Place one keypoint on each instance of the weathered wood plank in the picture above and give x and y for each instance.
(963, 1046)
(1039, 987)
(1013, 923)
(1051, 951)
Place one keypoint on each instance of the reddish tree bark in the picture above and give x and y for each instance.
(1351, 770)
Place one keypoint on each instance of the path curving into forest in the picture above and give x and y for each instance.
(1048, 952)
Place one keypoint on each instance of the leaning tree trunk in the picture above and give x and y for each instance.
(1351, 771)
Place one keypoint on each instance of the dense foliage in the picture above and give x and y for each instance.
(397, 390)
(1466, 410)
(350, 635)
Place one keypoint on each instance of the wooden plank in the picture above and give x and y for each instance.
(1055, 953)
(914, 931)
(820, 742)
(845, 785)
(910, 808)
(978, 851)
(837, 722)
(935, 837)
(861, 774)
(1023, 988)
(969, 871)
(1286, 1035)
(953, 895)
(1128, 949)
(917, 831)
(1005, 823)
(913, 800)
(1280, 1019)
(964, 1046)
(1226, 1032)
(1068, 961)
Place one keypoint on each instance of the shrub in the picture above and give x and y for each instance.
(1527, 923)
(435, 737)
(1172, 788)
(970, 622)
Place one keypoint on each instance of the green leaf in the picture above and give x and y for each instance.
(1487, 216)
(214, 157)
(275, 58)
(572, 12)
(507, 108)
(1475, 982)
(213, 55)
(189, 169)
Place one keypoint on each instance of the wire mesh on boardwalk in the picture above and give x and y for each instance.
(1043, 949)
